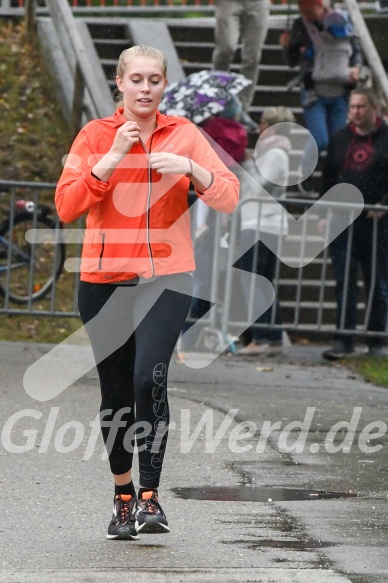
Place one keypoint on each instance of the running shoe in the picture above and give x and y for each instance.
(150, 518)
(122, 525)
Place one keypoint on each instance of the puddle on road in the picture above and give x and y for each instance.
(293, 545)
(256, 494)
(293, 541)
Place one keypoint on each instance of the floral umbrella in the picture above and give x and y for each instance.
(202, 94)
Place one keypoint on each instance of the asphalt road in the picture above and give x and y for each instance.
(257, 486)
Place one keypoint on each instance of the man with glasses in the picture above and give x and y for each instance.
(358, 155)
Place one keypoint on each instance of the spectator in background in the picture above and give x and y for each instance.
(248, 20)
(322, 42)
(272, 158)
(358, 155)
(232, 138)
(231, 141)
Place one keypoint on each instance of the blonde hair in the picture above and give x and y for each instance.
(137, 51)
(272, 115)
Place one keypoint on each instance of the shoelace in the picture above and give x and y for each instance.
(149, 505)
(124, 509)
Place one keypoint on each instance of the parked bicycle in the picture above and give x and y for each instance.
(28, 271)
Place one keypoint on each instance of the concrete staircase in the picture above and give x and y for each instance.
(306, 302)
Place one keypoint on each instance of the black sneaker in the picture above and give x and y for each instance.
(150, 518)
(337, 351)
(122, 526)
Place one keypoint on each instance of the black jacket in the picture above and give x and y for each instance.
(359, 160)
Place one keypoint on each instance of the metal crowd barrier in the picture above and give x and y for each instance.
(33, 280)
(306, 291)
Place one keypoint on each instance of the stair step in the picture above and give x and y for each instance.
(257, 110)
(314, 305)
(309, 239)
(307, 283)
(108, 41)
(107, 30)
(277, 88)
(289, 260)
(189, 44)
(195, 55)
(210, 45)
(235, 66)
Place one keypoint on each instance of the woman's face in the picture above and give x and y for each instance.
(142, 86)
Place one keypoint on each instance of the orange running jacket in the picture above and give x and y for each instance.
(138, 223)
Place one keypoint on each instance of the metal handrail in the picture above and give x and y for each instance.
(17, 7)
(53, 306)
(63, 18)
(368, 47)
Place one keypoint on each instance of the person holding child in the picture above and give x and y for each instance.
(323, 43)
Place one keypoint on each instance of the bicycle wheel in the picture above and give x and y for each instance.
(34, 267)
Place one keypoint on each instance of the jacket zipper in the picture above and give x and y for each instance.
(102, 235)
(149, 203)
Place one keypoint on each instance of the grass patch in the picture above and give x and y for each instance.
(33, 137)
(48, 329)
(372, 368)
(33, 131)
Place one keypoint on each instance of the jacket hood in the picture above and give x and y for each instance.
(267, 143)
(379, 123)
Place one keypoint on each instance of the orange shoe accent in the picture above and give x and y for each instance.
(148, 495)
(124, 497)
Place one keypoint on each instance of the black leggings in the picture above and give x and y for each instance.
(133, 338)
